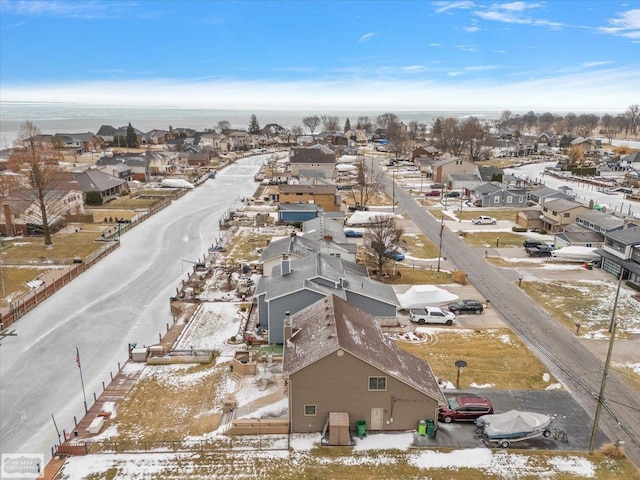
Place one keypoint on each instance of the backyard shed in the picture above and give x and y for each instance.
(339, 429)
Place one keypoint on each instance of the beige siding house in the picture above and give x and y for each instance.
(336, 359)
(558, 213)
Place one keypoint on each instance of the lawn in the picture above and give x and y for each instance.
(589, 303)
(243, 246)
(414, 275)
(65, 246)
(496, 358)
(171, 402)
(419, 246)
(493, 239)
(14, 281)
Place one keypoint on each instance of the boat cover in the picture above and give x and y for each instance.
(514, 422)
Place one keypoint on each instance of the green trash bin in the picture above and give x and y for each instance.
(431, 428)
(422, 428)
(361, 425)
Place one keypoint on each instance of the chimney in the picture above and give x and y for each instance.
(286, 333)
(328, 238)
(285, 266)
(8, 221)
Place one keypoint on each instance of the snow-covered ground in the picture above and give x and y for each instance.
(381, 450)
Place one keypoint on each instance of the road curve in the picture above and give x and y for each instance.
(572, 363)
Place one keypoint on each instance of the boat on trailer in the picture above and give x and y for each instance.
(513, 426)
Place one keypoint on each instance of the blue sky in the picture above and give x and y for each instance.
(546, 55)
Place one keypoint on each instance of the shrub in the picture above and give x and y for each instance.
(93, 198)
(518, 229)
(459, 277)
(612, 451)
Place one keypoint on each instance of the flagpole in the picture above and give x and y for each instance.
(86, 410)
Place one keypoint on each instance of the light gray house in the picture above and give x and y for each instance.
(544, 194)
(293, 246)
(336, 359)
(93, 180)
(603, 222)
(575, 235)
(621, 254)
(294, 285)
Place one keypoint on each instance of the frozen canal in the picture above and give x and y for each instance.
(122, 299)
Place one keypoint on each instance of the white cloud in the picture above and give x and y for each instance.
(515, 12)
(472, 29)
(413, 68)
(445, 6)
(596, 64)
(435, 44)
(605, 89)
(454, 74)
(517, 6)
(467, 48)
(13, 25)
(626, 25)
(367, 36)
(75, 9)
(481, 68)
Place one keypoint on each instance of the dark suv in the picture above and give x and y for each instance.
(464, 407)
(531, 243)
(464, 306)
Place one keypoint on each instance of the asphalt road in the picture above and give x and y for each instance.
(577, 368)
(122, 299)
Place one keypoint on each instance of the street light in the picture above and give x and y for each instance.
(460, 364)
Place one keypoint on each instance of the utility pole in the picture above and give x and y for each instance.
(605, 371)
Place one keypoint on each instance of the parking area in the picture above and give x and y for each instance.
(565, 413)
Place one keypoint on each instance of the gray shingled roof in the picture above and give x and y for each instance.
(487, 188)
(93, 180)
(578, 233)
(561, 204)
(292, 244)
(626, 236)
(601, 219)
(318, 228)
(306, 273)
(332, 323)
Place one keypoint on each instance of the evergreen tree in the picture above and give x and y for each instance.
(254, 126)
(347, 125)
(131, 139)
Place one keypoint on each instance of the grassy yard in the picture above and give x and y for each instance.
(495, 357)
(521, 263)
(420, 246)
(170, 403)
(243, 245)
(493, 239)
(381, 464)
(65, 246)
(415, 275)
(129, 203)
(14, 282)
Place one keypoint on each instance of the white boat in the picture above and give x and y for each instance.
(513, 426)
(576, 254)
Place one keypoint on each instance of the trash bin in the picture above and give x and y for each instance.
(431, 428)
(422, 428)
(361, 425)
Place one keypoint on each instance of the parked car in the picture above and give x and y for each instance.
(464, 407)
(436, 186)
(483, 220)
(539, 251)
(452, 194)
(353, 234)
(531, 243)
(431, 315)
(395, 254)
(464, 306)
(356, 208)
(433, 193)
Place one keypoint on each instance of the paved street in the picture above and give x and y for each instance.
(567, 359)
(122, 299)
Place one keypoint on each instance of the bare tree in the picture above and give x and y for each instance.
(504, 118)
(330, 124)
(364, 123)
(368, 184)
(42, 173)
(575, 154)
(633, 113)
(311, 122)
(296, 130)
(223, 126)
(451, 138)
(382, 234)
(474, 135)
(413, 129)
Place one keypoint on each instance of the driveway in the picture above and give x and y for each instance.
(564, 411)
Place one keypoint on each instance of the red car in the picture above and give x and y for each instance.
(464, 407)
(433, 193)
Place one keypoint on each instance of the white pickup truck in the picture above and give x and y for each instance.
(483, 220)
(431, 315)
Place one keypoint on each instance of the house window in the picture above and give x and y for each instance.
(545, 209)
(520, 199)
(496, 199)
(509, 199)
(566, 215)
(377, 383)
(554, 213)
(309, 410)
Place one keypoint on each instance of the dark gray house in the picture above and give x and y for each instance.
(544, 194)
(494, 194)
(603, 222)
(294, 285)
(94, 180)
(621, 254)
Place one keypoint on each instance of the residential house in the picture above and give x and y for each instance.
(604, 222)
(621, 254)
(317, 157)
(193, 157)
(336, 359)
(548, 138)
(94, 180)
(325, 196)
(158, 137)
(574, 235)
(297, 212)
(490, 174)
(240, 140)
(161, 163)
(21, 214)
(294, 247)
(530, 219)
(139, 164)
(462, 181)
(80, 142)
(558, 213)
(587, 145)
(447, 166)
(544, 194)
(630, 162)
(328, 234)
(425, 152)
(496, 194)
(294, 285)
